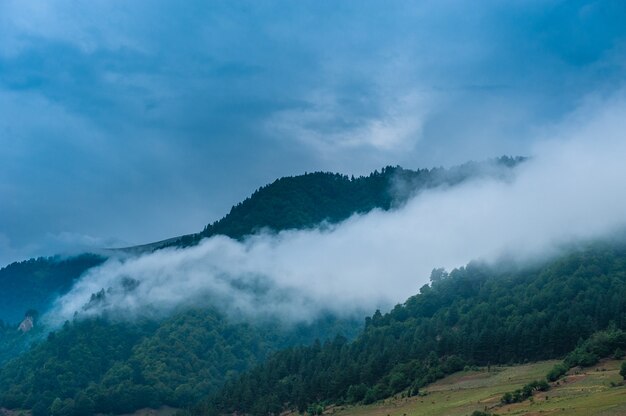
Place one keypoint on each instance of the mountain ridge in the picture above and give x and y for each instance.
(136, 369)
(292, 202)
(317, 191)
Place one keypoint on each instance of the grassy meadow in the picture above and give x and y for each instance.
(582, 392)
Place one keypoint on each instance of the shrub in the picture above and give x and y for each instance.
(557, 372)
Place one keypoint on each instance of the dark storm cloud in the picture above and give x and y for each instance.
(125, 122)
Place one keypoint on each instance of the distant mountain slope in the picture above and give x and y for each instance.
(34, 283)
(13, 341)
(307, 200)
(476, 314)
(287, 203)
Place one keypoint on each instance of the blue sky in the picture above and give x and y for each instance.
(127, 122)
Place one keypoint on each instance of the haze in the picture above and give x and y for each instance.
(570, 191)
(129, 122)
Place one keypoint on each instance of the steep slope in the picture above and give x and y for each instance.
(476, 314)
(304, 201)
(296, 202)
(291, 202)
(34, 283)
(29, 287)
(103, 366)
(13, 341)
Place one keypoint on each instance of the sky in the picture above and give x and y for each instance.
(128, 122)
(568, 195)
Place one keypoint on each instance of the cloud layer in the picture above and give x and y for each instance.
(142, 120)
(571, 190)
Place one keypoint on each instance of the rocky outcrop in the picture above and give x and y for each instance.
(27, 324)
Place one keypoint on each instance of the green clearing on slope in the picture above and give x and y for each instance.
(582, 392)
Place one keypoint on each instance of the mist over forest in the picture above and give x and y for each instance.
(313, 208)
(538, 210)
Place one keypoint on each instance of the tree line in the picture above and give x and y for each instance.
(477, 314)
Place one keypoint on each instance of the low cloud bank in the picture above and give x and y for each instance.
(572, 189)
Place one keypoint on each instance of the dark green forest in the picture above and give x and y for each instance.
(205, 362)
(35, 283)
(304, 201)
(13, 341)
(199, 360)
(291, 202)
(30, 287)
(98, 365)
(477, 314)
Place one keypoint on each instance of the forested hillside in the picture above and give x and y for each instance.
(14, 341)
(291, 202)
(118, 367)
(34, 283)
(312, 208)
(303, 201)
(476, 314)
(99, 365)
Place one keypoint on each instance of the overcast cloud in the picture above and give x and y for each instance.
(571, 191)
(128, 122)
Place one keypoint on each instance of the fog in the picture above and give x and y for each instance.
(571, 189)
